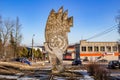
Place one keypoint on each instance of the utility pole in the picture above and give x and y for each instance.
(119, 33)
(32, 46)
(77, 51)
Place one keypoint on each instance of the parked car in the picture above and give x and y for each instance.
(102, 60)
(23, 60)
(76, 62)
(85, 59)
(114, 64)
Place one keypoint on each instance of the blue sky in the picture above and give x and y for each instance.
(90, 17)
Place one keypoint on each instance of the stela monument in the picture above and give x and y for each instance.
(56, 38)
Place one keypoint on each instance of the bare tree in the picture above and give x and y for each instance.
(11, 45)
(10, 30)
(18, 36)
(0, 38)
(0, 45)
(6, 27)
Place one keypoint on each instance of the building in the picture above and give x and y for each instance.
(93, 51)
(99, 50)
(70, 53)
(35, 47)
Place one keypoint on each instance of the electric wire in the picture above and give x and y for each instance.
(104, 32)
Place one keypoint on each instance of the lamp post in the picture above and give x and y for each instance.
(32, 46)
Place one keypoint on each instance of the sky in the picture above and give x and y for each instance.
(90, 17)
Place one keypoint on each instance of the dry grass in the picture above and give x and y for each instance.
(11, 68)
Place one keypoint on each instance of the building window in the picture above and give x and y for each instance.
(90, 48)
(83, 48)
(96, 48)
(114, 48)
(102, 48)
(108, 48)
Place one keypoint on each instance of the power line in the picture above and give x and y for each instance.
(104, 32)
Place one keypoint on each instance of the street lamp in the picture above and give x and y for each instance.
(32, 46)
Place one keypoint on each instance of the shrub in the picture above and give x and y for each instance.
(91, 68)
(99, 72)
